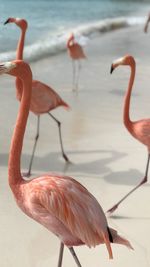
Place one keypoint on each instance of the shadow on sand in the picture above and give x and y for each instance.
(54, 161)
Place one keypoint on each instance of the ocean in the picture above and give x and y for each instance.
(51, 21)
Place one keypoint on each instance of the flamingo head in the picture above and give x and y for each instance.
(21, 23)
(17, 68)
(71, 40)
(126, 60)
(6, 67)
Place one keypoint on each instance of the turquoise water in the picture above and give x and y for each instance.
(50, 20)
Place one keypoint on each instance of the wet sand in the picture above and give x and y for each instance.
(106, 158)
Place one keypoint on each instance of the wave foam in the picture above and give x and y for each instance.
(56, 45)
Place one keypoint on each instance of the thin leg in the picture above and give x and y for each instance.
(61, 251)
(78, 74)
(74, 74)
(75, 257)
(34, 147)
(60, 137)
(144, 180)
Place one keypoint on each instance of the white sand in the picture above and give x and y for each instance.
(107, 160)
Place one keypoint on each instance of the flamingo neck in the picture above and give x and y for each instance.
(19, 88)
(14, 172)
(70, 42)
(20, 45)
(126, 116)
(20, 48)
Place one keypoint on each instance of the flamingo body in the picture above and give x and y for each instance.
(141, 131)
(64, 207)
(75, 50)
(43, 98)
(59, 203)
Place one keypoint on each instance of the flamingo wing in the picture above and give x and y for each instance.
(74, 206)
(44, 98)
(76, 51)
(141, 131)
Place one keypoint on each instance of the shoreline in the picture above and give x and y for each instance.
(54, 45)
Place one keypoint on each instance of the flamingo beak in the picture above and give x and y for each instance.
(2, 68)
(7, 21)
(111, 69)
(116, 63)
(6, 67)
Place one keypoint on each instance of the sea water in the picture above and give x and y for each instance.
(51, 21)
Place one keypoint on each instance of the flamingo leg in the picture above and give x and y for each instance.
(60, 137)
(61, 251)
(75, 257)
(78, 74)
(34, 147)
(144, 180)
(74, 74)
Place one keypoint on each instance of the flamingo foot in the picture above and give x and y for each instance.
(111, 210)
(66, 159)
(26, 174)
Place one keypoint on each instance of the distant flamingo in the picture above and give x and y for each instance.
(138, 129)
(59, 203)
(44, 98)
(76, 53)
(146, 24)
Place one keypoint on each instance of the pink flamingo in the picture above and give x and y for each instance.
(138, 129)
(59, 203)
(146, 24)
(76, 53)
(44, 99)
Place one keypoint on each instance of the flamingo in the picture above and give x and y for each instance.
(146, 24)
(138, 129)
(44, 99)
(76, 53)
(58, 202)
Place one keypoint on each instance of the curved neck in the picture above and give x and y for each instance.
(19, 88)
(70, 42)
(126, 116)
(14, 172)
(20, 45)
(19, 55)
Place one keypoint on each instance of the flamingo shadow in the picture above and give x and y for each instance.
(54, 162)
(121, 217)
(121, 93)
(130, 177)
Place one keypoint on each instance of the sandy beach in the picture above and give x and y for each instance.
(106, 158)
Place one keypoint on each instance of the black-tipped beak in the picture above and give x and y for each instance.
(2, 68)
(111, 69)
(7, 21)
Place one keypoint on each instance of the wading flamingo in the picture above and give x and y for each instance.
(146, 24)
(59, 203)
(44, 99)
(138, 129)
(76, 53)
